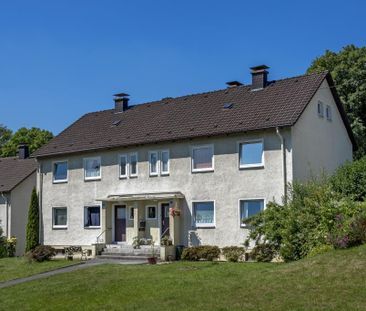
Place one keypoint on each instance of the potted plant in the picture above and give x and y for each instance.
(152, 259)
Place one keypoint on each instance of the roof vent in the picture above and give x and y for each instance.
(228, 105)
(121, 102)
(233, 84)
(259, 77)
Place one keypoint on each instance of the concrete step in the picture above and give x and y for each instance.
(119, 257)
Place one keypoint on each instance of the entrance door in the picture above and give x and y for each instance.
(120, 223)
(165, 219)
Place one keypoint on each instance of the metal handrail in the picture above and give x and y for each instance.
(105, 230)
(165, 231)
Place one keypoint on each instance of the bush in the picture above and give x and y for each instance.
(263, 252)
(350, 179)
(205, 252)
(233, 253)
(320, 249)
(41, 253)
(7, 246)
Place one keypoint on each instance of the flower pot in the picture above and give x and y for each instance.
(151, 260)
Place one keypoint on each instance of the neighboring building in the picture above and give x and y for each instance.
(17, 180)
(212, 158)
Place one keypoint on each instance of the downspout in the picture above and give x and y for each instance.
(284, 169)
(6, 213)
(40, 192)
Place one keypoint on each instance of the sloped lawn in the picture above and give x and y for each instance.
(333, 281)
(19, 267)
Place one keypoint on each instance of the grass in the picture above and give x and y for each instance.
(332, 281)
(19, 267)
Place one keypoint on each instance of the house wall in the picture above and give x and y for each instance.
(4, 205)
(20, 201)
(226, 185)
(318, 144)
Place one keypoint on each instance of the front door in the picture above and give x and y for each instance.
(120, 223)
(165, 219)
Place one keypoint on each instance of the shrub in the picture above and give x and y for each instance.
(41, 253)
(264, 252)
(320, 249)
(32, 235)
(233, 253)
(196, 253)
(7, 246)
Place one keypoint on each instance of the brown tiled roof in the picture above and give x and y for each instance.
(277, 105)
(14, 170)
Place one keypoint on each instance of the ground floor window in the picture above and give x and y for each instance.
(249, 208)
(92, 216)
(151, 212)
(204, 214)
(59, 217)
(132, 212)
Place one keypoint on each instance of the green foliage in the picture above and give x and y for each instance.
(350, 179)
(263, 252)
(32, 236)
(320, 249)
(41, 253)
(349, 73)
(5, 135)
(233, 253)
(34, 137)
(7, 246)
(205, 252)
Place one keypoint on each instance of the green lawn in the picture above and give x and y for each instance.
(333, 281)
(18, 267)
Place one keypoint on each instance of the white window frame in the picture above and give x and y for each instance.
(204, 226)
(120, 166)
(157, 163)
(199, 170)
(241, 225)
(59, 181)
(161, 164)
(137, 164)
(321, 112)
(147, 212)
(53, 218)
(328, 112)
(255, 165)
(100, 216)
(100, 168)
(131, 208)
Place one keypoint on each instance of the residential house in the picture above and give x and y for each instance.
(17, 180)
(191, 167)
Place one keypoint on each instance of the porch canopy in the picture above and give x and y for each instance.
(142, 196)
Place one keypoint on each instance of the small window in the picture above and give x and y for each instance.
(202, 158)
(123, 166)
(92, 217)
(133, 164)
(204, 214)
(153, 163)
(59, 217)
(132, 212)
(151, 212)
(320, 109)
(165, 162)
(249, 208)
(328, 113)
(60, 172)
(251, 154)
(92, 168)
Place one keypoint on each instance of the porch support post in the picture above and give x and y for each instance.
(174, 222)
(104, 222)
(136, 221)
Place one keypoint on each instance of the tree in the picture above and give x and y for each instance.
(5, 135)
(34, 137)
(32, 238)
(348, 69)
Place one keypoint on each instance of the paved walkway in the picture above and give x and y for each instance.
(88, 264)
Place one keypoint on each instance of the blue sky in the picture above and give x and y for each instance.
(61, 59)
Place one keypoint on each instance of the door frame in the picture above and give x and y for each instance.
(160, 214)
(114, 221)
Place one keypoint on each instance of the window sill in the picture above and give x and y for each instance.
(208, 226)
(93, 179)
(151, 218)
(251, 166)
(92, 227)
(123, 177)
(209, 170)
(133, 176)
(63, 181)
(154, 175)
(59, 227)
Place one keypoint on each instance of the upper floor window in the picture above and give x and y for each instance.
(92, 216)
(204, 214)
(202, 158)
(60, 171)
(123, 166)
(320, 109)
(153, 163)
(251, 154)
(159, 162)
(133, 164)
(328, 113)
(59, 218)
(92, 169)
(249, 208)
(165, 162)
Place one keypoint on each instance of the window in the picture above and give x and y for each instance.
(249, 208)
(92, 217)
(123, 166)
(165, 162)
(153, 163)
(251, 154)
(92, 169)
(204, 214)
(151, 212)
(320, 109)
(59, 217)
(60, 171)
(328, 113)
(132, 212)
(133, 164)
(202, 158)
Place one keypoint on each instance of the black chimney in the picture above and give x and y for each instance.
(259, 77)
(121, 102)
(23, 151)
